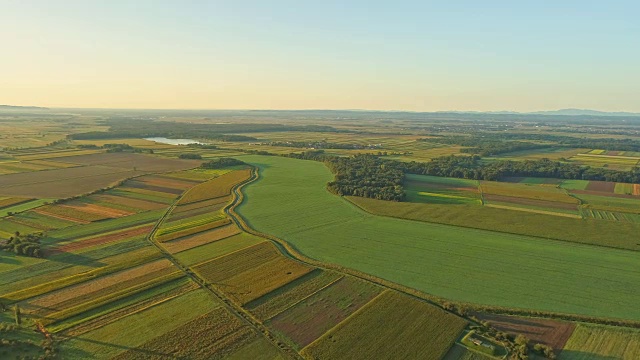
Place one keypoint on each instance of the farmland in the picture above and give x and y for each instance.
(430, 326)
(596, 342)
(140, 239)
(303, 213)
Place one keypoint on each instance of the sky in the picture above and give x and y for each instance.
(349, 54)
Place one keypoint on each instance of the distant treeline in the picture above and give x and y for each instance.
(471, 167)
(116, 148)
(145, 128)
(321, 145)
(374, 177)
(221, 163)
(488, 144)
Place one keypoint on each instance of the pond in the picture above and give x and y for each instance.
(163, 140)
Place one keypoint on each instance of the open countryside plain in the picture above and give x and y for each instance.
(468, 265)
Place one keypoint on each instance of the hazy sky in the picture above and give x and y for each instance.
(401, 55)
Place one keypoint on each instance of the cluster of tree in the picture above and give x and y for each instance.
(27, 245)
(10, 339)
(87, 146)
(117, 148)
(486, 146)
(519, 346)
(322, 145)
(221, 163)
(360, 175)
(472, 167)
(190, 156)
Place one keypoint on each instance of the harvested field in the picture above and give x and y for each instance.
(103, 239)
(220, 186)
(143, 163)
(134, 203)
(11, 201)
(97, 209)
(71, 213)
(218, 269)
(535, 192)
(168, 182)
(552, 333)
(57, 300)
(173, 235)
(210, 336)
(218, 248)
(309, 319)
(604, 195)
(201, 204)
(58, 155)
(197, 212)
(601, 186)
(133, 330)
(202, 238)
(532, 202)
(290, 294)
(131, 305)
(531, 210)
(128, 190)
(419, 331)
(62, 183)
(24, 206)
(155, 188)
(593, 342)
(101, 227)
(249, 284)
(40, 221)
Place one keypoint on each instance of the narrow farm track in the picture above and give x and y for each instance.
(228, 303)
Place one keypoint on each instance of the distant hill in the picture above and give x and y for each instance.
(584, 112)
(13, 107)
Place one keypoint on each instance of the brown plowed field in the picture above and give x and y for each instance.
(602, 186)
(82, 244)
(51, 300)
(206, 237)
(636, 189)
(166, 182)
(134, 203)
(143, 185)
(530, 202)
(97, 209)
(145, 163)
(549, 332)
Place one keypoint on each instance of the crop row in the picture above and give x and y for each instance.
(220, 186)
(193, 230)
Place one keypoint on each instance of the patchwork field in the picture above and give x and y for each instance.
(592, 342)
(414, 322)
(290, 201)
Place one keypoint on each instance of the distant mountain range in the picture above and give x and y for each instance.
(12, 107)
(584, 112)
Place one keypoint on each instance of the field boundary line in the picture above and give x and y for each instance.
(229, 304)
(342, 276)
(353, 314)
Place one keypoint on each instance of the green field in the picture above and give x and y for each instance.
(593, 342)
(484, 267)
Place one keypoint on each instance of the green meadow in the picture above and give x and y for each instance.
(484, 267)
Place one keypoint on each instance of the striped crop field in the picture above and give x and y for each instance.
(12, 201)
(281, 299)
(419, 331)
(310, 318)
(595, 342)
(205, 237)
(217, 187)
